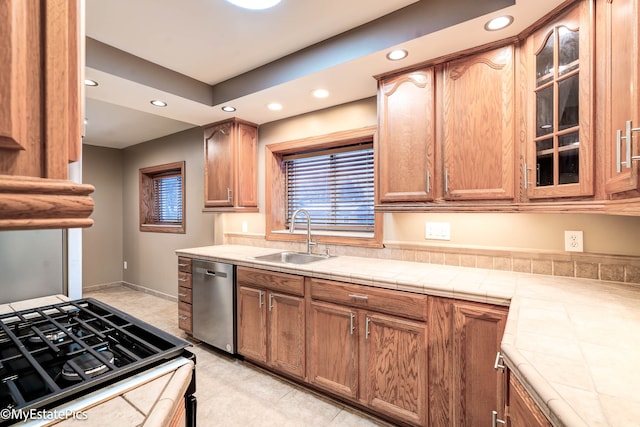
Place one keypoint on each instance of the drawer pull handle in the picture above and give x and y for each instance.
(183, 280)
(182, 317)
(180, 294)
(362, 297)
(182, 265)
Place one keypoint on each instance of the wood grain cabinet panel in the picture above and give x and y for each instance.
(618, 25)
(522, 409)
(40, 116)
(230, 172)
(396, 367)
(271, 323)
(358, 351)
(405, 149)
(478, 122)
(333, 348)
(185, 295)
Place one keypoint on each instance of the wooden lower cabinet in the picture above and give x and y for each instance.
(271, 324)
(464, 338)
(185, 295)
(376, 359)
(395, 381)
(521, 409)
(333, 349)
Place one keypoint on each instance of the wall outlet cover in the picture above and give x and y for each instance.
(573, 241)
(438, 231)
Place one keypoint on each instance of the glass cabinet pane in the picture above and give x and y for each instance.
(544, 111)
(544, 63)
(568, 102)
(568, 50)
(568, 158)
(544, 162)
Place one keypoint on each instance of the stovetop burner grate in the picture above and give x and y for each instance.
(90, 341)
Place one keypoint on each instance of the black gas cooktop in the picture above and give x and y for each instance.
(53, 353)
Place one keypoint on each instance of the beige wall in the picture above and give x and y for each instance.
(151, 257)
(102, 243)
(115, 236)
(603, 234)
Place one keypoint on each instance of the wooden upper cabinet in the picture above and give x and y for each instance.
(558, 88)
(478, 126)
(40, 115)
(618, 24)
(405, 152)
(231, 176)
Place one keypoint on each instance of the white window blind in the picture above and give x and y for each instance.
(335, 186)
(167, 199)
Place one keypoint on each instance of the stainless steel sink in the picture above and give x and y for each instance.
(292, 257)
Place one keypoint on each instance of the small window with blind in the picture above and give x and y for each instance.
(162, 198)
(330, 176)
(334, 185)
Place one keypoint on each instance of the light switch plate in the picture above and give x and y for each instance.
(573, 241)
(438, 231)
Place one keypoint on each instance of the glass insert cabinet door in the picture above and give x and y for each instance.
(560, 157)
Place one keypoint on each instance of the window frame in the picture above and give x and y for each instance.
(275, 189)
(147, 199)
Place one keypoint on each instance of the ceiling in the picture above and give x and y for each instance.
(200, 55)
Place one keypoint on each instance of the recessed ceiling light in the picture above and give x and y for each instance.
(396, 55)
(228, 108)
(89, 82)
(320, 93)
(274, 106)
(254, 4)
(158, 103)
(498, 23)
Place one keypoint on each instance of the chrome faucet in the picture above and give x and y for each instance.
(292, 225)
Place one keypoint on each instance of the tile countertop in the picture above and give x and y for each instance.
(151, 403)
(574, 343)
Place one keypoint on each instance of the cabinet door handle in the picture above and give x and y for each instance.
(526, 176)
(446, 181)
(260, 301)
(180, 294)
(428, 182)
(499, 363)
(628, 139)
(229, 194)
(182, 265)
(182, 317)
(183, 280)
(495, 420)
(351, 326)
(366, 329)
(270, 302)
(618, 151)
(361, 297)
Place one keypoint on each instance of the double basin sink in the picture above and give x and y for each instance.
(292, 257)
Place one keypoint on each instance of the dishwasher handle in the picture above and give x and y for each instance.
(215, 273)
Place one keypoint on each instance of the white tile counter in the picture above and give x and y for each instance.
(574, 343)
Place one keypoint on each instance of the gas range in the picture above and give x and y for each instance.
(54, 354)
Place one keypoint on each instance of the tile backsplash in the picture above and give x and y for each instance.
(582, 265)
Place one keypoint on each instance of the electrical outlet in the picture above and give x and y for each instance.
(438, 231)
(125, 265)
(573, 241)
(245, 226)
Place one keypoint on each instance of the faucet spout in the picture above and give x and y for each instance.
(292, 226)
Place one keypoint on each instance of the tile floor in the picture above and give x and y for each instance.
(231, 392)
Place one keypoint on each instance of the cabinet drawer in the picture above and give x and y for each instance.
(184, 279)
(280, 282)
(184, 264)
(185, 295)
(185, 316)
(389, 301)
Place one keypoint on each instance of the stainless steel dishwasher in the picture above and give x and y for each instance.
(214, 304)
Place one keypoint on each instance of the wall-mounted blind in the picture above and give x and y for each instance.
(167, 198)
(335, 186)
